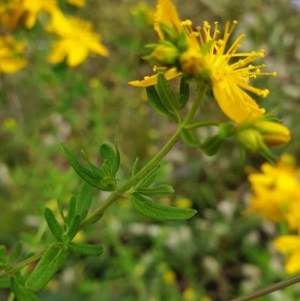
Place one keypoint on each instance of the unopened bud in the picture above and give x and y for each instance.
(164, 55)
(251, 139)
(273, 133)
(192, 62)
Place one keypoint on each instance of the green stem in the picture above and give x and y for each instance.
(135, 179)
(96, 215)
(22, 264)
(269, 289)
(200, 124)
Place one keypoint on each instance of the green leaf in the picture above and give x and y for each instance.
(51, 261)
(111, 158)
(60, 206)
(161, 190)
(135, 167)
(89, 176)
(71, 210)
(158, 105)
(159, 212)
(53, 224)
(98, 172)
(149, 178)
(74, 228)
(86, 249)
(189, 138)
(212, 144)
(166, 94)
(21, 292)
(184, 92)
(84, 200)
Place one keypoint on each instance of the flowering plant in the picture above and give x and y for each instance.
(204, 60)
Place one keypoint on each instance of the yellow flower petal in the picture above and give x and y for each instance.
(152, 80)
(166, 14)
(235, 103)
(77, 40)
(292, 264)
(287, 244)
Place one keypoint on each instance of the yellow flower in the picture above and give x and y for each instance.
(10, 52)
(76, 41)
(207, 55)
(290, 246)
(276, 192)
(33, 7)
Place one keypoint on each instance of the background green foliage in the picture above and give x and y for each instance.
(219, 253)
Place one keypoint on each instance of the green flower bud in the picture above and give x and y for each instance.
(164, 55)
(273, 133)
(251, 139)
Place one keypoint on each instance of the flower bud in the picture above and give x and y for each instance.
(251, 139)
(193, 63)
(164, 55)
(273, 133)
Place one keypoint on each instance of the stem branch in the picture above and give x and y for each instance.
(269, 289)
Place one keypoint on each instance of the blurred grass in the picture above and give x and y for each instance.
(219, 253)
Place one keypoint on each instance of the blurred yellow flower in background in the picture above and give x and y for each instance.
(10, 55)
(33, 7)
(77, 40)
(289, 245)
(276, 192)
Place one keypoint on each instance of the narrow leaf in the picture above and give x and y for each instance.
(95, 169)
(60, 207)
(149, 178)
(159, 212)
(87, 175)
(86, 249)
(75, 226)
(53, 224)
(158, 191)
(166, 94)
(212, 145)
(135, 167)
(71, 210)
(21, 292)
(189, 138)
(157, 104)
(48, 265)
(184, 92)
(84, 200)
(111, 158)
